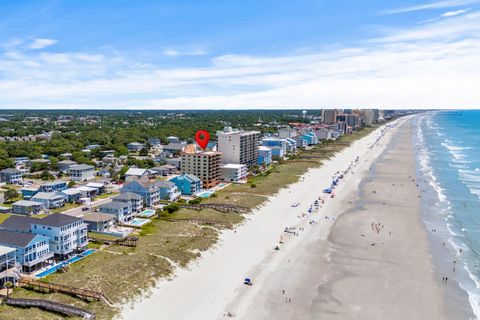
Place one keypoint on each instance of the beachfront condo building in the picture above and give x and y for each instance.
(239, 146)
(204, 165)
(329, 116)
(234, 172)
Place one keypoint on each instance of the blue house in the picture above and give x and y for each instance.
(152, 191)
(311, 138)
(264, 156)
(27, 193)
(53, 186)
(31, 250)
(187, 183)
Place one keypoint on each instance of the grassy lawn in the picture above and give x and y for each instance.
(106, 195)
(124, 273)
(4, 216)
(67, 206)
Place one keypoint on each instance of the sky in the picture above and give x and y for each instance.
(226, 54)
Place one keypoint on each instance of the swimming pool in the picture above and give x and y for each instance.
(147, 213)
(65, 263)
(205, 194)
(138, 222)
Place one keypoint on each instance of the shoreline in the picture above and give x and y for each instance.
(442, 255)
(244, 251)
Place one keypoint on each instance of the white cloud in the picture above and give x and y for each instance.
(42, 43)
(432, 5)
(434, 65)
(192, 52)
(454, 13)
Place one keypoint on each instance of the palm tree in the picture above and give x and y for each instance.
(8, 285)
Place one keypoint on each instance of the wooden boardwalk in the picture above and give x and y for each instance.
(51, 306)
(54, 287)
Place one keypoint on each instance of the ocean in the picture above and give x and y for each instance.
(447, 146)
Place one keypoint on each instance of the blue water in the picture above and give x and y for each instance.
(138, 222)
(65, 263)
(205, 194)
(448, 153)
(147, 213)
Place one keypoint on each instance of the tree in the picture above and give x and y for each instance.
(8, 285)
(71, 184)
(11, 194)
(143, 152)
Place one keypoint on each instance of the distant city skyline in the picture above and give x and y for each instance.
(226, 55)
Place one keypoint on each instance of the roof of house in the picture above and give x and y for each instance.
(95, 184)
(114, 205)
(26, 203)
(10, 170)
(188, 176)
(175, 146)
(135, 172)
(46, 195)
(82, 167)
(17, 239)
(99, 217)
(18, 223)
(54, 183)
(164, 167)
(164, 184)
(234, 166)
(57, 220)
(71, 191)
(128, 196)
(5, 250)
(135, 144)
(67, 162)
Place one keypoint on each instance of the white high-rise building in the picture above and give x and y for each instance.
(239, 147)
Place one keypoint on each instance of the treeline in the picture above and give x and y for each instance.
(114, 129)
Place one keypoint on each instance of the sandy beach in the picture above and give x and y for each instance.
(371, 263)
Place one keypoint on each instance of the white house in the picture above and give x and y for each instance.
(82, 172)
(67, 234)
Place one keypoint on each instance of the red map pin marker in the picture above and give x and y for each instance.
(202, 137)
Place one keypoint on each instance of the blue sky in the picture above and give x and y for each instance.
(239, 54)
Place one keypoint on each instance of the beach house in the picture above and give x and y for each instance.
(71, 195)
(53, 186)
(66, 234)
(27, 207)
(136, 173)
(165, 170)
(121, 210)
(81, 172)
(32, 250)
(133, 199)
(149, 192)
(187, 184)
(11, 176)
(49, 200)
(64, 165)
(135, 146)
(100, 222)
(264, 156)
(9, 271)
